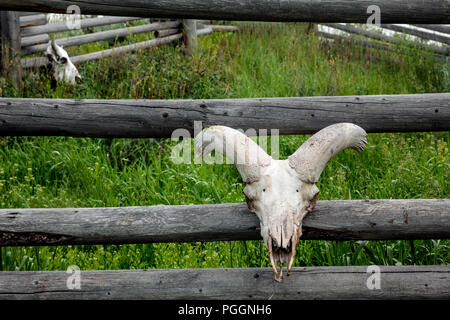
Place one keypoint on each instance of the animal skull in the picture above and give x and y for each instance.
(60, 64)
(281, 192)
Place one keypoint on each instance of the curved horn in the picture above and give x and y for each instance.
(311, 158)
(248, 157)
(54, 45)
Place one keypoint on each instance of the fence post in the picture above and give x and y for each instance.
(190, 36)
(11, 46)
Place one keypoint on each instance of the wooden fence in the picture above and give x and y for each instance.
(28, 33)
(331, 220)
(439, 47)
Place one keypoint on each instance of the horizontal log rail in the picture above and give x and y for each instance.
(34, 40)
(307, 283)
(369, 43)
(102, 36)
(117, 51)
(159, 118)
(63, 26)
(381, 37)
(34, 20)
(331, 220)
(418, 33)
(435, 27)
(399, 11)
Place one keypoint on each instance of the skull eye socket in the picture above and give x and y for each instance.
(296, 190)
(264, 190)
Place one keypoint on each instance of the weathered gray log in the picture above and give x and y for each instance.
(418, 33)
(10, 46)
(29, 13)
(190, 36)
(435, 27)
(37, 62)
(103, 35)
(34, 20)
(331, 220)
(306, 283)
(63, 26)
(221, 28)
(399, 11)
(34, 40)
(159, 118)
(370, 44)
(382, 37)
(166, 32)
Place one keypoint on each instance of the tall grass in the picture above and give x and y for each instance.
(263, 60)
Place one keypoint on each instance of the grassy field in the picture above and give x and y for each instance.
(263, 60)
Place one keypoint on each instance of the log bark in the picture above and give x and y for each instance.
(11, 46)
(418, 33)
(400, 11)
(102, 36)
(63, 26)
(306, 283)
(378, 36)
(331, 220)
(159, 118)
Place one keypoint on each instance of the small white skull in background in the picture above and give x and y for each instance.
(281, 192)
(61, 66)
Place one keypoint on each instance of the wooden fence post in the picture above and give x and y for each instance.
(11, 46)
(190, 36)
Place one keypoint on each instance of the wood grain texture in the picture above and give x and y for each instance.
(102, 36)
(331, 220)
(63, 26)
(159, 118)
(399, 11)
(397, 282)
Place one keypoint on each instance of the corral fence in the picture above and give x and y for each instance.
(331, 220)
(433, 38)
(34, 33)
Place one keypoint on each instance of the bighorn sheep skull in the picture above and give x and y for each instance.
(60, 64)
(281, 192)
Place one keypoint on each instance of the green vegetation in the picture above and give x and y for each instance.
(263, 60)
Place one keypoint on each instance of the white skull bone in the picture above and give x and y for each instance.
(61, 66)
(281, 192)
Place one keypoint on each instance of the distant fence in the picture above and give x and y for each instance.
(440, 47)
(337, 220)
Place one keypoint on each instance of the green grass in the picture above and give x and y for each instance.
(263, 60)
